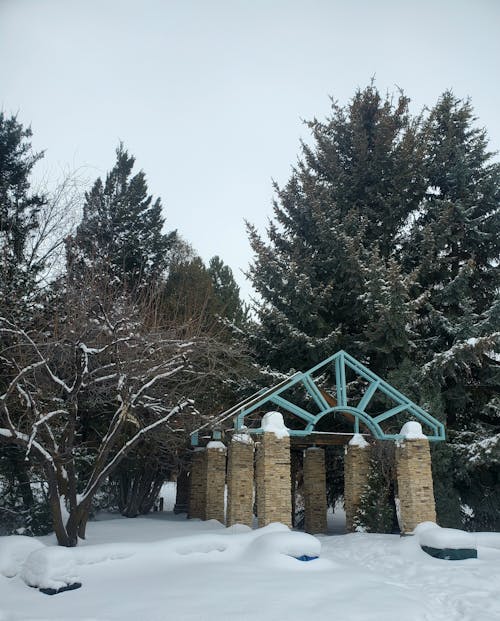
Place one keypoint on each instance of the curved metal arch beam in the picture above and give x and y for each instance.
(362, 416)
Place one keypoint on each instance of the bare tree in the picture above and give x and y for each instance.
(93, 368)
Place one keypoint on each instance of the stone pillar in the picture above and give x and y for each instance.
(415, 489)
(356, 469)
(274, 498)
(240, 481)
(182, 492)
(315, 491)
(215, 482)
(197, 484)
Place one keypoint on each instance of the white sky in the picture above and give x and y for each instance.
(209, 95)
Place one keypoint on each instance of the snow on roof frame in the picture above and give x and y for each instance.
(339, 362)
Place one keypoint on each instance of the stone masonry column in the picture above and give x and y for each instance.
(215, 481)
(240, 480)
(356, 469)
(315, 491)
(415, 489)
(197, 484)
(274, 498)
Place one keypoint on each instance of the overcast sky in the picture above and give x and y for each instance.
(209, 95)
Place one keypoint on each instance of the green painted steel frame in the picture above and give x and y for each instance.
(340, 361)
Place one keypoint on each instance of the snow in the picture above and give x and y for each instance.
(163, 566)
(435, 537)
(273, 422)
(412, 430)
(216, 444)
(432, 535)
(13, 552)
(358, 440)
(242, 438)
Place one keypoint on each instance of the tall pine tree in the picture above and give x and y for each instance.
(121, 228)
(453, 247)
(339, 218)
(385, 243)
(19, 208)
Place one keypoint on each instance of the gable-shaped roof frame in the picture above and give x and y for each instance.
(339, 361)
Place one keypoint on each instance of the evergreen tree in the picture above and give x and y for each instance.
(20, 270)
(336, 221)
(385, 243)
(121, 228)
(226, 291)
(19, 209)
(453, 248)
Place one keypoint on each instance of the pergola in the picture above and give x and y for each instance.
(339, 385)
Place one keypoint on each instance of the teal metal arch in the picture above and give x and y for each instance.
(338, 363)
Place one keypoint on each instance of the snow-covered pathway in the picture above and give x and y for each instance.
(212, 573)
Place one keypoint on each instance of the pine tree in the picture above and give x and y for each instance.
(341, 213)
(226, 291)
(454, 248)
(19, 209)
(385, 242)
(121, 228)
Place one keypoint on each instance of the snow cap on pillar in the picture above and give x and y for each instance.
(412, 431)
(273, 422)
(358, 440)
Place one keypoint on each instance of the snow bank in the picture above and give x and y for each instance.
(273, 422)
(54, 567)
(412, 430)
(14, 550)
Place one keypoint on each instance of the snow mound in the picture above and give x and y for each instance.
(50, 568)
(412, 431)
(287, 542)
(14, 550)
(273, 422)
(450, 538)
(55, 568)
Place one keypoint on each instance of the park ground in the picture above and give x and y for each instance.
(163, 567)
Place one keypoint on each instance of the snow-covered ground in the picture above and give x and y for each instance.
(163, 567)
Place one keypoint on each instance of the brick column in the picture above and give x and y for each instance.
(415, 489)
(315, 491)
(215, 474)
(197, 484)
(240, 480)
(274, 498)
(356, 469)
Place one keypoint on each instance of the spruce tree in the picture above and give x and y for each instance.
(453, 248)
(19, 209)
(341, 213)
(385, 242)
(121, 228)
(226, 291)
